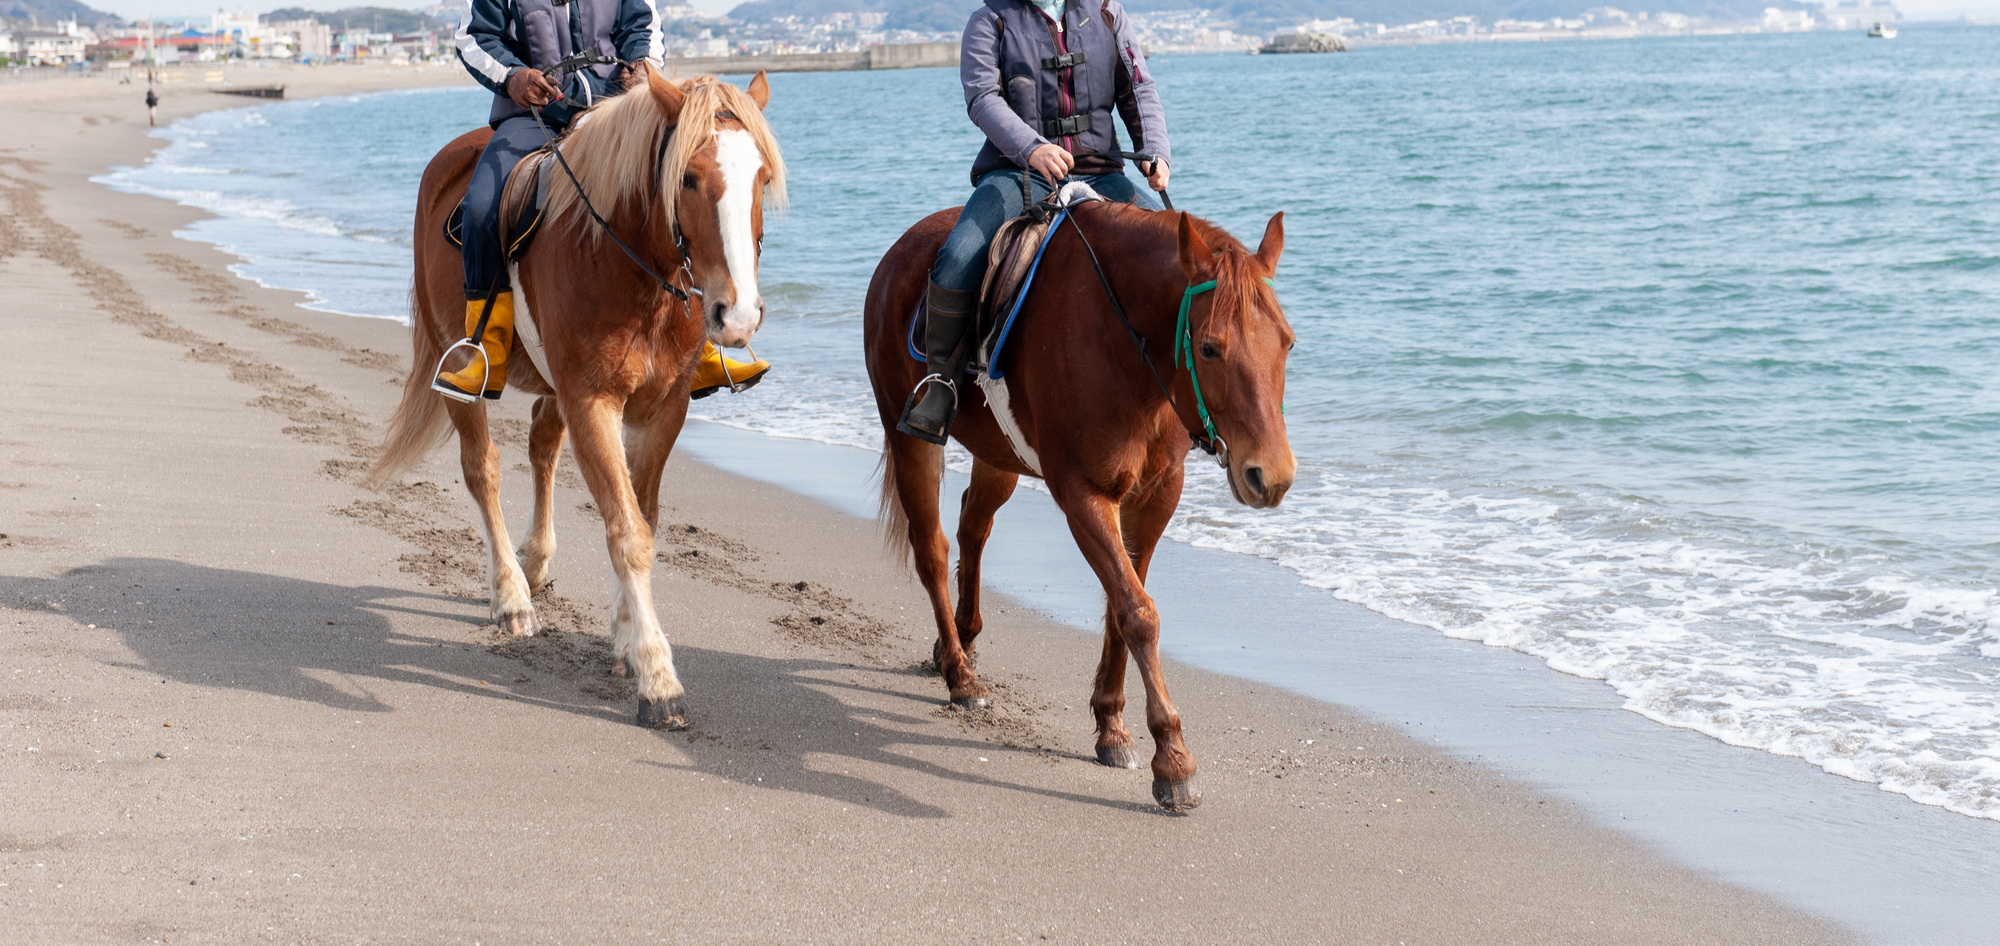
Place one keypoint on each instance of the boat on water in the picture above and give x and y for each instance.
(1882, 31)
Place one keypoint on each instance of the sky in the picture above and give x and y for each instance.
(139, 9)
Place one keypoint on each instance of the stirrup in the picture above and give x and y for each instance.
(437, 377)
(950, 414)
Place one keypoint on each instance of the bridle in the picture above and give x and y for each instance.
(1184, 353)
(592, 57)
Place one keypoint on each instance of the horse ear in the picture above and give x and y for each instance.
(666, 93)
(1274, 242)
(760, 91)
(1196, 258)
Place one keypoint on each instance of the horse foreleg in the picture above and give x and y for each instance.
(1142, 519)
(650, 447)
(479, 459)
(545, 441)
(600, 457)
(991, 487)
(1094, 521)
(918, 469)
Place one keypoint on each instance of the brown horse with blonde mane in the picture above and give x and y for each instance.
(1080, 407)
(680, 171)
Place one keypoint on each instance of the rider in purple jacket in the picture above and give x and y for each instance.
(1041, 80)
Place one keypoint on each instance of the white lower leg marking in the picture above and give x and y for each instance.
(1003, 412)
(736, 152)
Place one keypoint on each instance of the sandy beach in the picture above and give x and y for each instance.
(246, 700)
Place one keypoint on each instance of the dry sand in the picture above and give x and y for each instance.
(244, 700)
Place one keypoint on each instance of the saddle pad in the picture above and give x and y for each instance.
(519, 203)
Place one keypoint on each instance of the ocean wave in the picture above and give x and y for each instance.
(1790, 649)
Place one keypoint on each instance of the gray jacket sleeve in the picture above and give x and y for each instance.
(1138, 98)
(985, 91)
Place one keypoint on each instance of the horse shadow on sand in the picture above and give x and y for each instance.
(777, 724)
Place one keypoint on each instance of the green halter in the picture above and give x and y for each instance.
(1184, 354)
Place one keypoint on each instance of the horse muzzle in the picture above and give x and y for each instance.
(733, 324)
(1261, 485)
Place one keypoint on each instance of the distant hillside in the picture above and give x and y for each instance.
(921, 15)
(1264, 14)
(49, 11)
(375, 19)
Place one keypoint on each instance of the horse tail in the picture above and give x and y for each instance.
(895, 522)
(421, 422)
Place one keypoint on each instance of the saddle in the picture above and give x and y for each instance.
(1011, 261)
(521, 202)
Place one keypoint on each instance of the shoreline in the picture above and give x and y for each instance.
(139, 388)
(1833, 846)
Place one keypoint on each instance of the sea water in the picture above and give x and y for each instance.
(1670, 362)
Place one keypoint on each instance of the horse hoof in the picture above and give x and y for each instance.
(618, 668)
(1119, 757)
(970, 702)
(519, 624)
(669, 714)
(1176, 795)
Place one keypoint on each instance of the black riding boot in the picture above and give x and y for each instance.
(932, 405)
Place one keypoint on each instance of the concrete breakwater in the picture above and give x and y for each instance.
(898, 56)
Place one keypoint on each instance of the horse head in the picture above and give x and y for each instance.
(1233, 358)
(716, 170)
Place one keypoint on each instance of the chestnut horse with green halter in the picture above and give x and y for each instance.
(675, 174)
(1143, 333)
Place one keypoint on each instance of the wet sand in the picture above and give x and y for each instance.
(244, 699)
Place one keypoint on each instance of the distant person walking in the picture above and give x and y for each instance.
(152, 108)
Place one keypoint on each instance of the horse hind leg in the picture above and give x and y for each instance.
(545, 441)
(1115, 746)
(600, 456)
(479, 460)
(991, 488)
(915, 470)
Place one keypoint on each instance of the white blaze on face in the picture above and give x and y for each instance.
(737, 155)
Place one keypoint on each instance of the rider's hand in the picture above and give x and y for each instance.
(1156, 174)
(1052, 162)
(530, 89)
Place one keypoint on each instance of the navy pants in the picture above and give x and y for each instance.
(996, 199)
(512, 140)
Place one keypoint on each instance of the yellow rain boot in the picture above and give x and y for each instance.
(486, 373)
(714, 372)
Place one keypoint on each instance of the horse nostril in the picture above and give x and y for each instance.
(715, 313)
(1253, 477)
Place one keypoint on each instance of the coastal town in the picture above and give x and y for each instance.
(378, 34)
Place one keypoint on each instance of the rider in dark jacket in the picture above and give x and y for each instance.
(1041, 78)
(559, 56)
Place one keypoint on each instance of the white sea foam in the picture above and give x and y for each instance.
(1786, 649)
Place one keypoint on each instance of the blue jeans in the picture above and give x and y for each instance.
(996, 199)
(480, 227)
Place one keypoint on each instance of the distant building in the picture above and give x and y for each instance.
(47, 49)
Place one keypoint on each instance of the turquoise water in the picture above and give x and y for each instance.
(1666, 361)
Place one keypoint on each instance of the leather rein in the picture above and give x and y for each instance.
(1184, 354)
(659, 164)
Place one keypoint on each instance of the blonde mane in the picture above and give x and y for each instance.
(614, 147)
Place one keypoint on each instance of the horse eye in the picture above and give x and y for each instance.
(1209, 351)
(687, 182)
